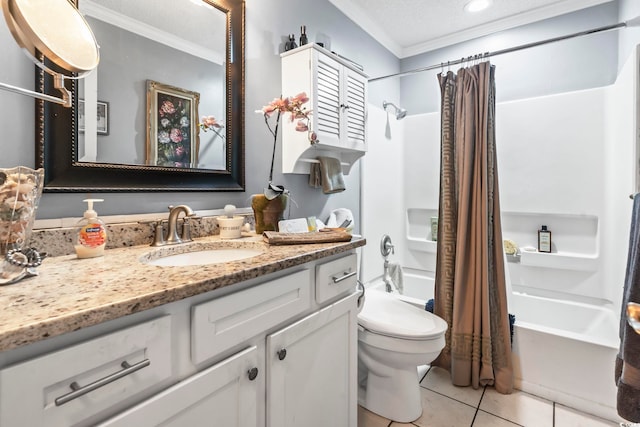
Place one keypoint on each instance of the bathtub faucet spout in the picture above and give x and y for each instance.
(386, 277)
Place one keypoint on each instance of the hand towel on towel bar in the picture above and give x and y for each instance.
(627, 367)
(331, 172)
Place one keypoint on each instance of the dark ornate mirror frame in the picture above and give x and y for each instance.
(57, 129)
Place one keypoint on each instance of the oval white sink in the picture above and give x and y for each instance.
(204, 257)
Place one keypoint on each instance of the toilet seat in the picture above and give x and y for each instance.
(384, 314)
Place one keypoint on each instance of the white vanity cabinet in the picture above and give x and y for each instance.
(276, 351)
(72, 386)
(312, 363)
(310, 369)
(337, 92)
(224, 395)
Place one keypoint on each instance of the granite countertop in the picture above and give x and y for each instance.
(71, 293)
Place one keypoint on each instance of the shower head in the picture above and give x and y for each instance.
(400, 112)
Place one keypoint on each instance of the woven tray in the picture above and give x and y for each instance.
(276, 238)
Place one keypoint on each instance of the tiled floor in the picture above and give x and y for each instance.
(445, 405)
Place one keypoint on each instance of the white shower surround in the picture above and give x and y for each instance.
(565, 160)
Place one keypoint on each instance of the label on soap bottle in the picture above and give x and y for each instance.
(92, 235)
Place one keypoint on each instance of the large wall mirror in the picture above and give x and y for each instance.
(137, 121)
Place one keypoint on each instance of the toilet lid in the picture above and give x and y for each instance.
(387, 315)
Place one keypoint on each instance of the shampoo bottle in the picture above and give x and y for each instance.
(91, 234)
(544, 239)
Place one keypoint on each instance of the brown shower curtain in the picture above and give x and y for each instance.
(470, 289)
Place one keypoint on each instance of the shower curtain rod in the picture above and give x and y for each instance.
(509, 50)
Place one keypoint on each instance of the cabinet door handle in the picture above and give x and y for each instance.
(253, 373)
(81, 391)
(344, 106)
(282, 353)
(346, 275)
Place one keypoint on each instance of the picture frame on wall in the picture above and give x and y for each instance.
(102, 123)
(172, 126)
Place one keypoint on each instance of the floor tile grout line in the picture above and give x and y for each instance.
(448, 397)
(475, 414)
(502, 418)
(424, 376)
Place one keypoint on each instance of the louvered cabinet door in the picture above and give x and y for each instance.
(354, 117)
(328, 103)
(340, 105)
(337, 92)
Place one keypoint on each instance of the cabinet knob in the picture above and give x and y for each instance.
(253, 373)
(344, 106)
(282, 353)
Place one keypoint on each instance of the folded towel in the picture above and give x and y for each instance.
(627, 369)
(315, 175)
(395, 272)
(333, 236)
(331, 172)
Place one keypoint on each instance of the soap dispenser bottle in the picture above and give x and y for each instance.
(91, 234)
(544, 239)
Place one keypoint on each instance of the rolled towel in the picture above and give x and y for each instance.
(331, 172)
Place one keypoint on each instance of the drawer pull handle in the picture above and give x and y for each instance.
(346, 275)
(81, 391)
(282, 353)
(253, 373)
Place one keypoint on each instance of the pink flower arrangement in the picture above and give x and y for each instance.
(294, 106)
(210, 123)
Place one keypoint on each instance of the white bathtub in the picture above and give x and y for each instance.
(417, 287)
(563, 351)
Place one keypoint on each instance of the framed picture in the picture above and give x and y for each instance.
(172, 126)
(102, 123)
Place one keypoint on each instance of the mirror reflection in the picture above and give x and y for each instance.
(162, 71)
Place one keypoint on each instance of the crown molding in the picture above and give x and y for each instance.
(109, 16)
(360, 18)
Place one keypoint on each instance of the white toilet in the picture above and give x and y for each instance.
(394, 338)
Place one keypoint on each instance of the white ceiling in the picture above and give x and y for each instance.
(410, 27)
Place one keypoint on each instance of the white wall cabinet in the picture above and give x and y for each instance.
(215, 359)
(337, 93)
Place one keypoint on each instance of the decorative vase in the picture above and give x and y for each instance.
(20, 192)
(268, 212)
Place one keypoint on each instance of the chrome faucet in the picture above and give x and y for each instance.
(386, 249)
(172, 232)
(386, 277)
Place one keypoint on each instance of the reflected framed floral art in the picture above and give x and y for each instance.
(172, 126)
